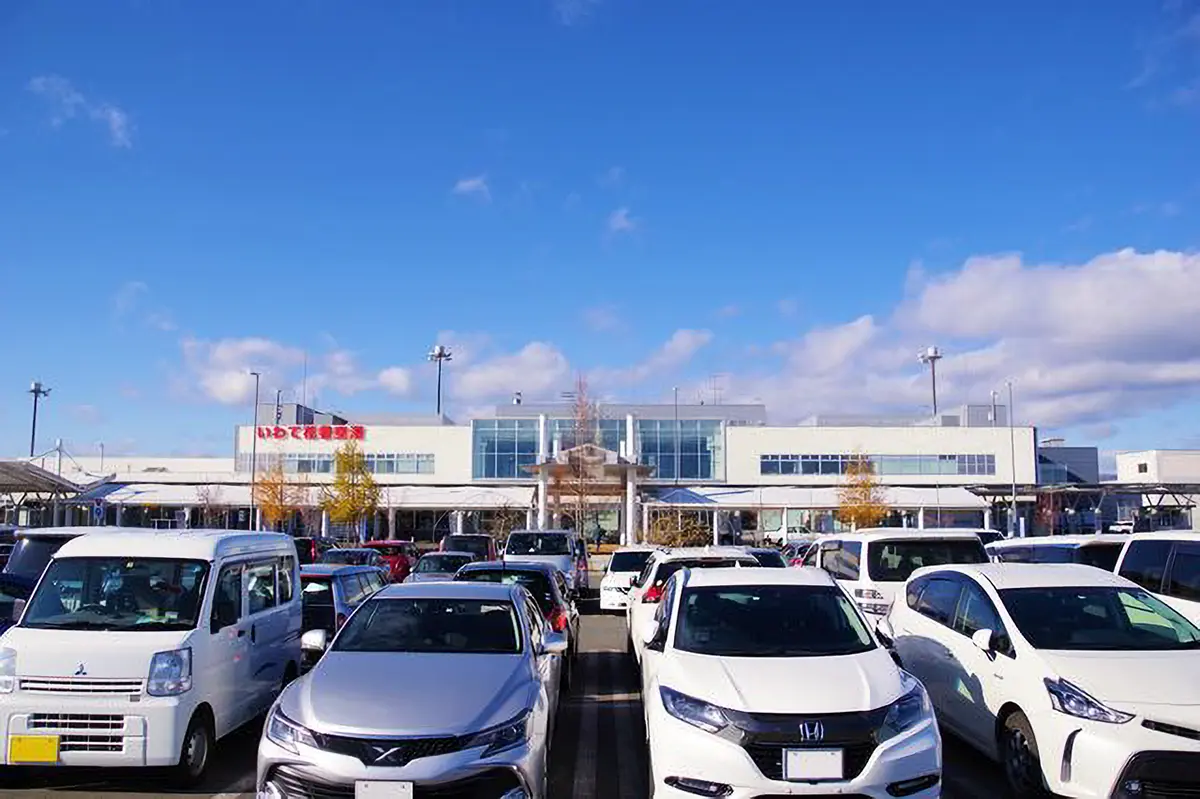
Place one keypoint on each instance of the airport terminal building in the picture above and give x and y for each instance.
(723, 463)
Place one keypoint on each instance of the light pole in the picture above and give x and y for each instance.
(254, 456)
(38, 391)
(439, 354)
(101, 445)
(1012, 455)
(931, 356)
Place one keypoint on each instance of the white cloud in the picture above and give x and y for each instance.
(126, 298)
(675, 353)
(474, 187)
(602, 319)
(536, 370)
(573, 12)
(220, 370)
(396, 380)
(161, 321)
(619, 221)
(67, 103)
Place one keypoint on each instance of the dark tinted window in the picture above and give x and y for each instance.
(536, 582)
(441, 564)
(665, 570)
(1015, 554)
(1054, 554)
(432, 625)
(1102, 556)
(1146, 562)
(1098, 619)
(976, 612)
(913, 593)
(477, 545)
(939, 600)
(769, 558)
(1184, 580)
(895, 561)
(538, 544)
(349, 557)
(317, 598)
(31, 554)
(629, 561)
(842, 559)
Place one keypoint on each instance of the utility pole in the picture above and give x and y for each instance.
(440, 354)
(38, 391)
(254, 456)
(1012, 454)
(931, 356)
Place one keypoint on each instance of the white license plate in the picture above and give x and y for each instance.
(812, 764)
(379, 789)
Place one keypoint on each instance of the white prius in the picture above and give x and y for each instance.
(768, 682)
(142, 648)
(1081, 683)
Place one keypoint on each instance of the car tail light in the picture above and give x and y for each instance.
(653, 594)
(794, 562)
(341, 619)
(558, 620)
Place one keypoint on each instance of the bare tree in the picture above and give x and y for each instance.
(213, 511)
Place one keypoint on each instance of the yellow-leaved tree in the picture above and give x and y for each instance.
(679, 529)
(276, 496)
(862, 501)
(354, 495)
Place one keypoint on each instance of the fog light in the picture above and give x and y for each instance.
(909, 787)
(698, 787)
(1133, 787)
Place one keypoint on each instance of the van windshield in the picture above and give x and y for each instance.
(895, 561)
(118, 594)
(538, 544)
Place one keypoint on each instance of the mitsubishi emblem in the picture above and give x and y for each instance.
(812, 732)
(81, 671)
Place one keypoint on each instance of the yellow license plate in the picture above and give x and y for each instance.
(33, 749)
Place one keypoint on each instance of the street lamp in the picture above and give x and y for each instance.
(931, 356)
(38, 391)
(439, 354)
(1012, 455)
(254, 455)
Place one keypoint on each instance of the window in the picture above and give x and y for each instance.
(260, 587)
(537, 633)
(967, 464)
(1184, 580)
(841, 559)
(1102, 556)
(690, 446)
(432, 625)
(503, 449)
(1098, 619)
(287, 577)
(1143, 468)
(913, 593)
(227, 598)
(894, 561)
(1015, 554)
(976, 612)
(1054, 554)
(939, 600)
(1146, 562)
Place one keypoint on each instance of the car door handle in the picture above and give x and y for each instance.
(253, 633)
(241, 633)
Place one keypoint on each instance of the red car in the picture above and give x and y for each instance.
(400, 556)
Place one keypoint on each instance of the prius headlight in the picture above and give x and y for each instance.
(696, 712)
(1074, 701)
(910, 709)
(286, 733)
(502, 737)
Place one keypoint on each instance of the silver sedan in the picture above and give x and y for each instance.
(447, 686)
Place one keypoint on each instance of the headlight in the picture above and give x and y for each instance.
(170, 673)
(501, 737)
(696, 712)
(287, 733)
(8, 670)
(1074, 701)
(907, 711)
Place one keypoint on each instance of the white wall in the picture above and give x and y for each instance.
(1162, 466)
(744, 445)
(450, 446)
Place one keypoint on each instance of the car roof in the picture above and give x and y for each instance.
(351, 549)
(905, 534)
(1157, 535)
(542, 532)
(699, 578)
(510, 566)
(639, 548)
(70, 532)
(173, 544)
(457, 552)
(385, 542)
(467, 535)
(330, 569)
(450, 589)
(693, 553)
(1060, 540)
(1033, 575)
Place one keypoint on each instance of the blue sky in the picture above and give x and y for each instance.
(781, 200)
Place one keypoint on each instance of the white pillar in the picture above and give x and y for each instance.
(529, 518)
(460, 518)
(987, 518)
(645, 522)
(630, 534)
(543, 439)
(257, 521)
(324, 524)
(920, 518)
(543, 505)
(716, 539)
(783, 525)
(631, 447)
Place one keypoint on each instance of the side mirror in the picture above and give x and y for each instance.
(984, 640)
(649, 631)
(314, 641)
(554, 643)
(18, 608)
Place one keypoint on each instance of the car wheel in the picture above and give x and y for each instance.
(195, 752)
(1019, 753)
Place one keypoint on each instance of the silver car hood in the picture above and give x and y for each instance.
(384, 693)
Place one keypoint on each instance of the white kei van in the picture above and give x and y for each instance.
(1166, 563)
(872, 564)
(142, 648)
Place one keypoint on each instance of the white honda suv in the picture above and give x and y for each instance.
(768, 682)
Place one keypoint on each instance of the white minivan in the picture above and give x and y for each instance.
(1167, 564)
(142, 648)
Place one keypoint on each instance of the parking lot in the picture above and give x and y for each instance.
(598, 748)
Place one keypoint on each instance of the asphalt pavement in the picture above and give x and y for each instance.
(598, 749)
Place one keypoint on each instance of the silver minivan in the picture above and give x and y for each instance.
(563, 549)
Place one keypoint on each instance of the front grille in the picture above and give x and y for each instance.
(91, 743)
(487, 785)
(83, 722)
(390, 752)
(766, 736)
(79, 685)
(1171, 729)
(1161, 775)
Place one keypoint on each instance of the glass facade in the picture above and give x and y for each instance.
(312, 463)
(690, 451)
(607, 433)
(956, 465)
(502, 449)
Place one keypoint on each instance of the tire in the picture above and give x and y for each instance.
(1020, 759)
(195, 753)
